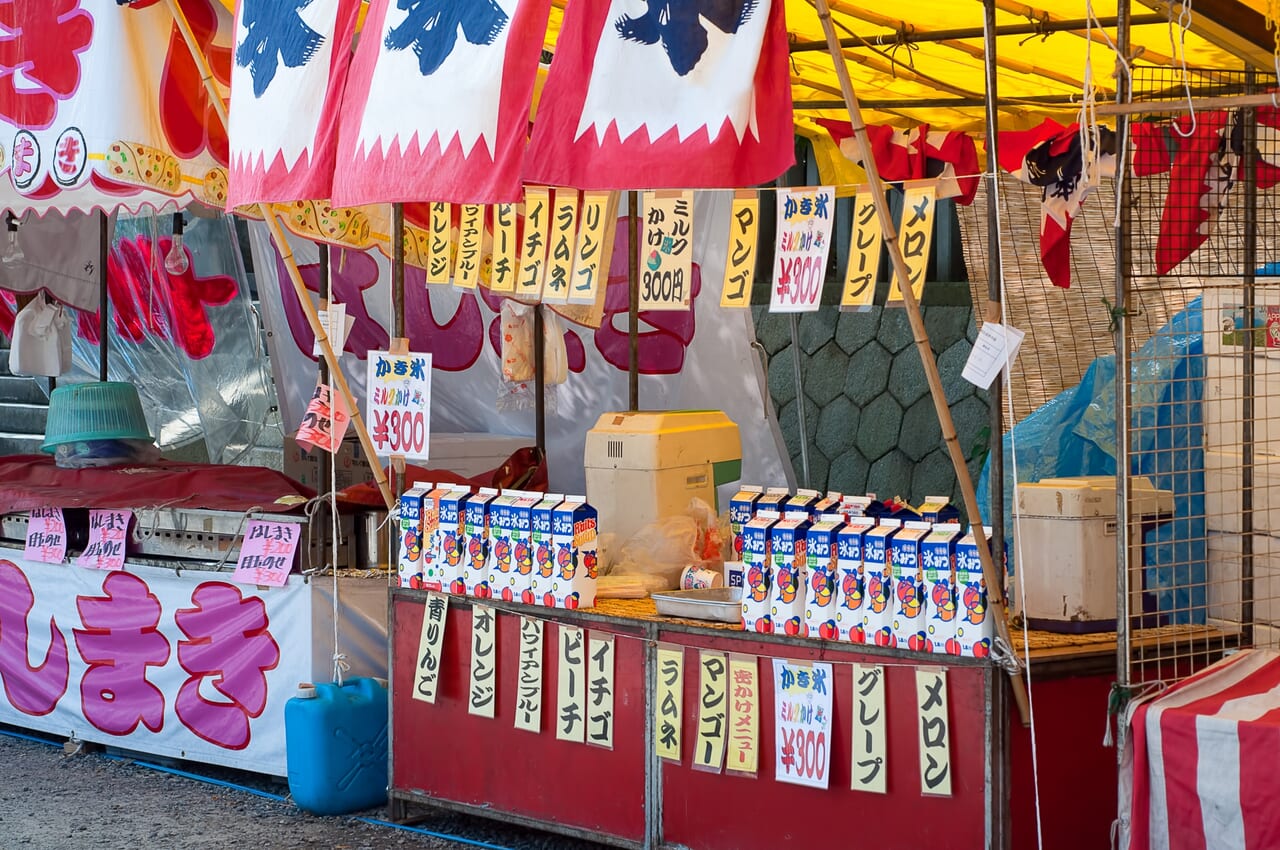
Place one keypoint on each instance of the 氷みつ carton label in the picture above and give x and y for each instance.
(449, 537)
(974, 627)
(742, 507)
(575, 532)
(877, 605)
(502, 575)
(851, 585)
(542, 540)
(822, 579)
(410, 562)
(908, 587)
(475, 559)
(938, 554)
(757, 589)
(789, 559)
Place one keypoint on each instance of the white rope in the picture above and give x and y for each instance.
(1179, 50)
(1007, 373)
(1089, 114)
(340, 665)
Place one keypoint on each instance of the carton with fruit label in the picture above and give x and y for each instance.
(803, 501)
(757, 588)
(542, 540)
(410, 563)
(975, 628)
(522, 542)
(742, 507)
(502, 575)
(449, 538)
(877, 606)
(851, 583)
(938, 553)
(789, 561)
(475, 530)
(822, 577)
(575, 532)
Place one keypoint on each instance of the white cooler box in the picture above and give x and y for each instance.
(1223, 480)
(643, 466)
(1067, 567)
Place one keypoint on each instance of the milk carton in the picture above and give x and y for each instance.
(974, 629)
(828, 504)
(822, 577)
(410, 564)
(774, 500)
(855, 506)
(804, 501)
(938, 554)
(935, 509)
(908, 586)
(449, 538)
(742, 507)
(575, 533)
(851, 586)
(545, 571)
(502, 575)
(789, 564)
(475, 530)
(522, 542)
(757, 588)
(877, 606)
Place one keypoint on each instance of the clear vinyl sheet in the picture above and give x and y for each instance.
(189, 342)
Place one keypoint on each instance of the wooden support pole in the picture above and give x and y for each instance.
(295, 276)
(994, 578)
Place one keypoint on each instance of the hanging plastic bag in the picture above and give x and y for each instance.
(555, 356)
(517, 341)
(41, 343)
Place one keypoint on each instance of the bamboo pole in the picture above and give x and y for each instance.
(295, 276)
(993, 577)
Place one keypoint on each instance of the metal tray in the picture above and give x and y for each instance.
(722, 604)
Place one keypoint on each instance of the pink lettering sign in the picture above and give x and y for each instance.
(266, 553)
(33, 690)
(108, 531)
(46, 536)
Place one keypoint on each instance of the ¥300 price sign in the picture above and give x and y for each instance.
(398, 404)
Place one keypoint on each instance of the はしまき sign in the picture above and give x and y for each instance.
(266, 553)
(398, 403)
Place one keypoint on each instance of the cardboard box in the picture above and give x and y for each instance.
(789, 562)
(449, 537)
(575, 532)
(939, 553)
(877, 605)
(545, 569)
(852, 584)
(907, 562)
(975, 628)
(502, 575)
(411, 536)
(822, 578)
(475, 526)
(742, 507)
(757, 590)
(1223, 486)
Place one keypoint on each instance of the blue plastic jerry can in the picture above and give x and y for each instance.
(336, 746)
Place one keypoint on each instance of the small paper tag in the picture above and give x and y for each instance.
(266, 553)
(996, 345)
(46, 536)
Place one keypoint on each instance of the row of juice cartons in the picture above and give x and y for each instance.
(823, 571)
(514, 545)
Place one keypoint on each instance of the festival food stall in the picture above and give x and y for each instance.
(849, 660)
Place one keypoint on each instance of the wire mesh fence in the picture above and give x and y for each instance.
(1204, 389)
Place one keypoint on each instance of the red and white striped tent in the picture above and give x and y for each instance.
(1202, 759)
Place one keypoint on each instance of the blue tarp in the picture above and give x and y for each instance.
(1074, 434)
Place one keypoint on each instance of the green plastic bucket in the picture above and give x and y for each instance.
(109, 410)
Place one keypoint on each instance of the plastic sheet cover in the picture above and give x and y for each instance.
(189, 342)
(1074, 434)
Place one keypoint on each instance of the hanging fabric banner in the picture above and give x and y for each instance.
(681, 96)
(102, 107)
(918, 207)
(437, 102)
(287, 77)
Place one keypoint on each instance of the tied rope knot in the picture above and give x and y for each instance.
(340, 666)
(1004, 657)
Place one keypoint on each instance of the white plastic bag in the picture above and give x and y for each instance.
(41, 343)
(662, 549)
